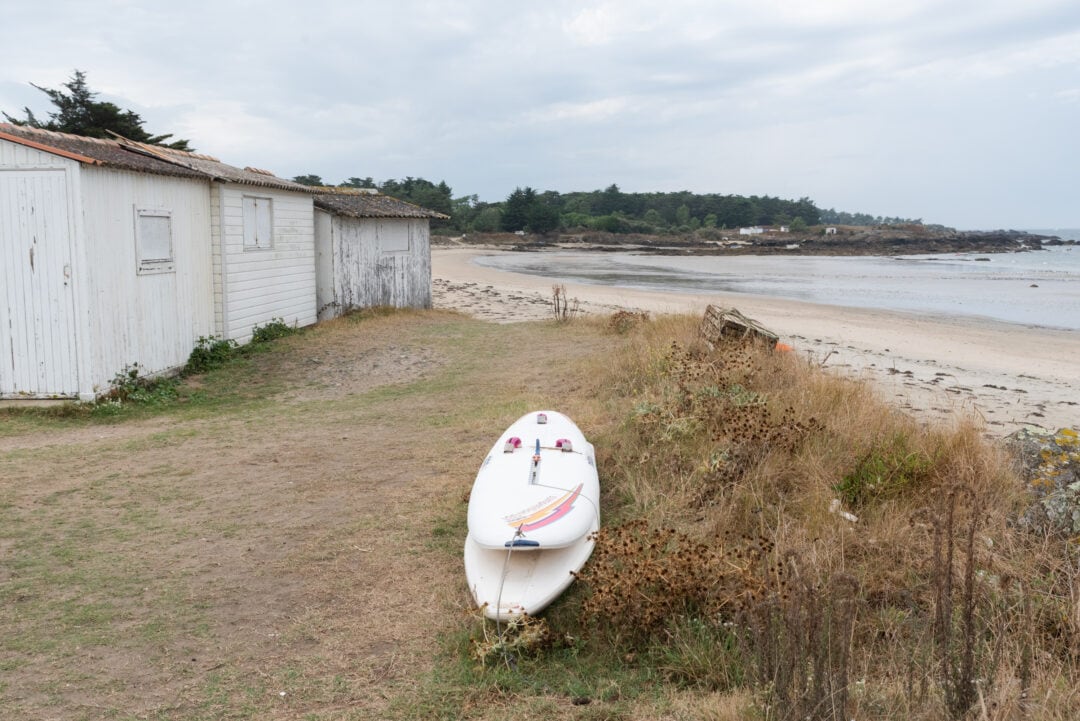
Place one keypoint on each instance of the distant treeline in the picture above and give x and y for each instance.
(835, 217)
(609, 210)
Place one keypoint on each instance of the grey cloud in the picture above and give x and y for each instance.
(956, 113)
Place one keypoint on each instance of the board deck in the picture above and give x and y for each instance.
(535, 504)
(532, 509)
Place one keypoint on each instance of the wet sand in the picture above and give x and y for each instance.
(1008, 376)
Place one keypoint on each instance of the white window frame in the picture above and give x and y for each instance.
(258, 212)
(150, 256)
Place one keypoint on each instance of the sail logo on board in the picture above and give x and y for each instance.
(547, 513)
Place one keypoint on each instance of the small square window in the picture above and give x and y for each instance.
(394, 237)
(258, 222)
(153, 240)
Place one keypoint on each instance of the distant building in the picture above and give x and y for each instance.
(830, 231)
(753, 230)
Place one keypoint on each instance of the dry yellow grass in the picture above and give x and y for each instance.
(742, 443)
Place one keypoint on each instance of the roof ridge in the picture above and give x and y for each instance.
(372, 205)
(143, 157)
(118, 140)
(56, 134)
(345, 190)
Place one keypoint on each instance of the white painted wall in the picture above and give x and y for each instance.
(39, 264)
(258, 285)
(150, 318)
(74, 308)
(14, 155)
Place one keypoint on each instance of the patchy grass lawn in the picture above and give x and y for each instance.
(283, 542)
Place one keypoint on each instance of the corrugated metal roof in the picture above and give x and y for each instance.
(143, 158)
(369, 203)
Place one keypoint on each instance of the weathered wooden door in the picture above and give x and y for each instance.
(37, 318)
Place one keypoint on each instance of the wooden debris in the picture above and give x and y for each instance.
(723, 324)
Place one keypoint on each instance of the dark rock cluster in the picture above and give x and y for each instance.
(843, 240)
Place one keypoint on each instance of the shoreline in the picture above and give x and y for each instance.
(1009, 376)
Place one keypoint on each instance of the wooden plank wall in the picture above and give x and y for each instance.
(150, 319)
(262, 284)
(381, 262)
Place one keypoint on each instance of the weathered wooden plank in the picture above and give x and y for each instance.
(37, 317)
(376, 262)
(720, 324)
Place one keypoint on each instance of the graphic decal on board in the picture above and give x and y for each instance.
(549, 511)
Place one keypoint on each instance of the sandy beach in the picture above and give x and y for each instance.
(1008, 376)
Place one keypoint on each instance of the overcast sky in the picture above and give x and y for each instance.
(961, 113)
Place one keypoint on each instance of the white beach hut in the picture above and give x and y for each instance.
(372, 250)
(114, 253)
(263, 239)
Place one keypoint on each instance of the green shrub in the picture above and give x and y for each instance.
(209, 353)
(129, 386)
(885, 471)
(276, 328)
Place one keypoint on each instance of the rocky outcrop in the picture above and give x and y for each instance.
(1050, 465)
(896, 240)
(847, 240)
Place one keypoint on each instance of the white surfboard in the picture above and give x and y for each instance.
(533, 506)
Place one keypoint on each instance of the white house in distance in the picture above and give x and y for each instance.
(114, 252)
(371, 250)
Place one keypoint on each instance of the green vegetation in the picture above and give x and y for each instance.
(131, 391)
(609, 210)
(612, 210)
(835, 217)
(209, 353)
(276, 328)
(886, 470)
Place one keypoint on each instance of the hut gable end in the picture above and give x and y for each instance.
(371, 250)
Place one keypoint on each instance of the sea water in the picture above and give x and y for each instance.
(1037, 288)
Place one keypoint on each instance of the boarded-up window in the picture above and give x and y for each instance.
(393, 237)
(258, 222)
(153, 240)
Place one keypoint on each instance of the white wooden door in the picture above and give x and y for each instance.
(37, 319)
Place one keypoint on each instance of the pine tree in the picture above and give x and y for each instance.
(78, 113)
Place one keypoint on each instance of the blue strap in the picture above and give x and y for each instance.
(521, 542)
